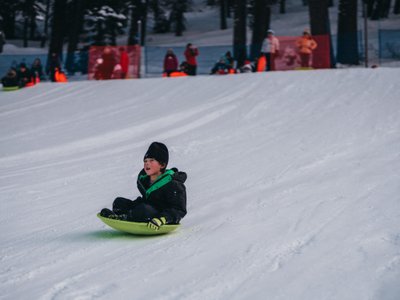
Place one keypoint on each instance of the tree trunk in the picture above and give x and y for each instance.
(179, 9)
(262, 16)
(27, 12)
(239, 31)
(76, 22)
(46, 25)
(396, 9)
(32, 24)
(347, 37)
(25, 31)
(135, 17)
(145, 8)
(230, 5)
(8, 11)
(138, 12)
(386, 8)
(378, 9)
(370, 7)
(222, 14)
(320, 24)
(58, 28)
(282, 6)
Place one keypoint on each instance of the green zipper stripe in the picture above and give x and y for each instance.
(160, 182)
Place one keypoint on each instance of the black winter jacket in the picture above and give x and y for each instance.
(167, 194)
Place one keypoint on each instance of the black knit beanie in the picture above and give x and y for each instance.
(158, 151)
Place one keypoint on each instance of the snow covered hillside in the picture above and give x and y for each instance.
(293, 187)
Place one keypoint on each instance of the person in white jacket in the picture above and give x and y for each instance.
(270, 48)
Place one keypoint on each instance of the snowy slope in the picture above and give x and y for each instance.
(293, 187)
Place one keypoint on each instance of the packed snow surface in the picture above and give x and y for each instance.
(293, 187)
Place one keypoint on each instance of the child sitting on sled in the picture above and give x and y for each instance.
(163, 199)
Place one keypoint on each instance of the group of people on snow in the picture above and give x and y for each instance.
(21, 75)
(112, 65)
(171, 66)
(300, 54)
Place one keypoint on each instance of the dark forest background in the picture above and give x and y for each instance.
(56, 23)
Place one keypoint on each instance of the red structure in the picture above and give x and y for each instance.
(289, 56)
(105, 62)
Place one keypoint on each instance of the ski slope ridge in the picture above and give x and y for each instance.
(293, 187)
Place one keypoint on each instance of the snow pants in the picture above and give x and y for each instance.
(135, 211)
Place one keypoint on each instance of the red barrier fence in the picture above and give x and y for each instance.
(291, 58)
(109, 62)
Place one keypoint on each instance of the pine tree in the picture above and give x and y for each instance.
(161, 22)
(103, 24)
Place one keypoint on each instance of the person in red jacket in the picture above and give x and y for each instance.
(170, 62)
(124, 62)
(190, 54)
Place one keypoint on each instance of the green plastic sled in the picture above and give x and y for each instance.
(10, 88)
(138, 228)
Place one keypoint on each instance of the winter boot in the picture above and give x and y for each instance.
(108, 213)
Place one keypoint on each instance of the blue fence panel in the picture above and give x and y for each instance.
(13, 60)
(360, 41)
(389, 44)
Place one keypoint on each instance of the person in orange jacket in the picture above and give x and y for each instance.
(306, 45)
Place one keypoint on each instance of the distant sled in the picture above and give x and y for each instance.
(10, 88)
(137, 228)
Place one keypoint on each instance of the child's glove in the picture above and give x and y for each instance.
(156, 223)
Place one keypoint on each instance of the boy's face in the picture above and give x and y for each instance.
(152, 167)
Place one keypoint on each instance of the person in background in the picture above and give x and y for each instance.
(123, 62)
(247, 67)
(53, 65)
(270, 48)
(229, 60)
(191, 52)
(170, 62)
(24, 75)
(11, 79)
(221, 66)
(183, 67)
(37, 69)
(306, 45)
